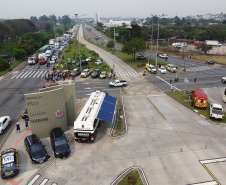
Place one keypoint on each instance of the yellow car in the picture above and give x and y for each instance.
(85, 73)
(171, 68)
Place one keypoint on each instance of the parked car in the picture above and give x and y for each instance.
(83, 63)
(75, 72)
(151, 68)
(9, 163)
(216, 111)
(210, 62)
(24, 115)
(59, 143)
(162, 70)
(88, 59)
(85, 73)
(141, 57)
(35, 149)
(165, 56)
(103, 75)
(4, 122)
(98, 62)
(50, 85)
(95, 73)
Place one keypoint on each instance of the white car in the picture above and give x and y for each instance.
(98, 62)
(52, 61)
(162, 70)
(216, 111)
(4, 122)
(163, 56)
(224, 79)
(85, 73)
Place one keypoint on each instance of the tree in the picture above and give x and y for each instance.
(4, 64)
(205, 48)
(19, 53)
(134, 46)
(111, 44)
(34, 19)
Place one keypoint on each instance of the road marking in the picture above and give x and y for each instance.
(44, 73)
(24, 74)
(19, 74)
(31, 74)
(156, 108)
(211, 174)
(44, 181)
(205, 183)
(40, 74)
(167, 82)
(27, 74)
(34, 179)
(36, 74)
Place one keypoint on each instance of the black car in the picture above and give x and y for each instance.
(24, 115)
(210, 62)
(96, 73)
(83, 63)
(35, 149)
(141, 57)
(9, 163)
(59, 143)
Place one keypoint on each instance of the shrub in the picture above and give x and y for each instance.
(19, 53)
(141, 65)
(4, 64)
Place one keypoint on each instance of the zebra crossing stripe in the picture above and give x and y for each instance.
(31, 74)
(13, 77)
(19, 74)
(44, 73)
(23, 74)
(44, 181)
(36, 74)
(27, 74)
(34, 179)
(40, 73)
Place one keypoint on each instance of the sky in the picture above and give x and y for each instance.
(14, 9)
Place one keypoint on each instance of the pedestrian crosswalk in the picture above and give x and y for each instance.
(30, 74)
(199, 68)
(42, 73)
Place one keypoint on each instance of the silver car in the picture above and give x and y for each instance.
(4, 122)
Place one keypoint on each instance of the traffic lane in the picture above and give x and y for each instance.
(84, 89)
(164, 82)
(13, 103)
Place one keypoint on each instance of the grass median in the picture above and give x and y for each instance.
(183, 99)
(133, 173)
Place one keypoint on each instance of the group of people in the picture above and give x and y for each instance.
(18, 126)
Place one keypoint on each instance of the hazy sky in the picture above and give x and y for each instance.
(12, 9)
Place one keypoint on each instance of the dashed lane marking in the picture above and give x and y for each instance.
(34, 179)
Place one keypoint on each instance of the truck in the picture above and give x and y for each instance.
(99, 109)
(42, 58)
(51, 42)
(212, 43)
(199, 43)
(32, 60)
(216, 111)
(199, 99)
(118, 83)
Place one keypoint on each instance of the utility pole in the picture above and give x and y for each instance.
(79, 43)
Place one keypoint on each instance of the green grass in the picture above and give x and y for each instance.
(179, 96)
(72, 51)
(120, 123)
(133, 173)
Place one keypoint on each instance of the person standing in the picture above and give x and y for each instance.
(17, 127)
(26, 125)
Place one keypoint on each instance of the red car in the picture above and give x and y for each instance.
(50, 85)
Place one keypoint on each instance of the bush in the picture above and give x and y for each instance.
(4, 64)
(19, 53)
(141, 65)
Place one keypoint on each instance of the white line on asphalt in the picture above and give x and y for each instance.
(31, 74)
(167, 83)
(27, 74)
(34, 179)
(36, 74)
(44, 73)
(213, 160)
(127, 74)
(86, 83)
(54, 183)
(23, 74)
(19, 75)
(44, 181)
(40, 74)
(205, 183)
(87, 88)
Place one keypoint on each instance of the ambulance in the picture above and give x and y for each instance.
(199, 99)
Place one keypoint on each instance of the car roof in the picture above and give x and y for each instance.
(217, 105)
(58, 132)
(96, 70)
(86, 69)
(3, 117)
(32, 139)
(10, 150)
(103, 72)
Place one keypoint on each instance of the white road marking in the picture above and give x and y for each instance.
(19, 74)
(31, 74)
(213, 160)
(205, 183)
(40, 74)
(27, 74)
(44, 181)
(34, 179)
(24, 74)
(36, 74)
(167, 82)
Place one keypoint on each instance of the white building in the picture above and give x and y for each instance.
(112, 23)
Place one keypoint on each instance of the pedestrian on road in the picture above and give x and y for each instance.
(171, 88)
(26, 125)
(17, 127)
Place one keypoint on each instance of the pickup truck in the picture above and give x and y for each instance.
(118, 83)
(216, 111)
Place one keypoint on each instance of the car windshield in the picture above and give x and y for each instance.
(163, 68)
(0, 124)
(36, 148)
(60, 141)
(102, 73)
(152, 67)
